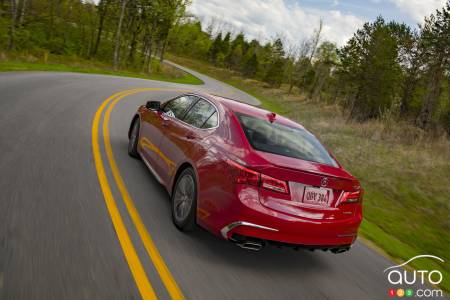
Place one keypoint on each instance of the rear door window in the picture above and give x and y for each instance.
(284, 140)
(176, 108)
(212, 121)
(200, 113)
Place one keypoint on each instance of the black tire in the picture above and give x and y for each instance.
(184, 209)
(134, 139)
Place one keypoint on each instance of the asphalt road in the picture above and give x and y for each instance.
(57, 240)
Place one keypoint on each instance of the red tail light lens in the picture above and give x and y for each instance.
(244, 175)
(274, 184)
(353, 197)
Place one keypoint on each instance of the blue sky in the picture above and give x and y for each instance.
(370, 9)
(295, 20)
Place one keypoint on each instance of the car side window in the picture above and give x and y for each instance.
(177, 107)
(212, 121)
(199, 113)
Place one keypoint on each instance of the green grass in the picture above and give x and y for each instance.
(17, 65)
(404, 172)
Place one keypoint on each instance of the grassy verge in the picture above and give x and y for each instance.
(70, 64)
(405, 173)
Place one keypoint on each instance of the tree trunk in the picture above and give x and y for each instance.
(147, 53)
(319, 86)
(315, 40)
(408, 89)
(163, 50)
(355, 99)
(118, 34)
(12, 27)
(133, 45)
(103, 7)
(406, 97)
(431, 97)
(52, 20)
(22, 11)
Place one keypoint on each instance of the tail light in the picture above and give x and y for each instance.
(274, 184)
(353, 197)
(243, 175)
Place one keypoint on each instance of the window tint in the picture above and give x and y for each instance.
(284, 140)
(212, 121)
(177, 107)
(199, 113)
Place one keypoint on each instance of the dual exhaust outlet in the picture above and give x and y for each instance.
(256, 245)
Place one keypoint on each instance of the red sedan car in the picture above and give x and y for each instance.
(246, 174)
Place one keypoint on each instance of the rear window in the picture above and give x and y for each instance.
(284, 140)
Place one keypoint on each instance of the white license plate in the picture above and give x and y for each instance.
(317, 196)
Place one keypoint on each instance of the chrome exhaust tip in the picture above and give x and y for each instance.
(251, 245)
(339, 250)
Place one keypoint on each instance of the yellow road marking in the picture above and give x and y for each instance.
(161, 267)
(135, 265)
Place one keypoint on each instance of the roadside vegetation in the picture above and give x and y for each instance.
(28, 62)
(79, 36)
(381, 102)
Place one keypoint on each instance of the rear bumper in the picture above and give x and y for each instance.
(252, 219)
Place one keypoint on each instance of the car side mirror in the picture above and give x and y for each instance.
(153, 105)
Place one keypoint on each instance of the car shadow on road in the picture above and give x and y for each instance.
(269, 258)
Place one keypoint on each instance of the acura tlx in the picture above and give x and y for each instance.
(246, 174)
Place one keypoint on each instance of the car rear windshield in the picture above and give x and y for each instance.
(284, 140)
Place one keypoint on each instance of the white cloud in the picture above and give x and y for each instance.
(418, 9)
(268, 18)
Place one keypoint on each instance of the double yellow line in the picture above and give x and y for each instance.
(144, 286)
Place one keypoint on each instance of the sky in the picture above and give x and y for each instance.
(295, 20)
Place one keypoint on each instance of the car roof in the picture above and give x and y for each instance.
(243, 108)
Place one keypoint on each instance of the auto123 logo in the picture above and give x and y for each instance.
(414, 283)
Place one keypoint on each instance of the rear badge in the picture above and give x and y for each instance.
(324, 182)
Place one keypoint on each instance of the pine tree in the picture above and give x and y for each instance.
(371, 68)
(435, 40)
(226, 44)
(251, 66)
(216, 47)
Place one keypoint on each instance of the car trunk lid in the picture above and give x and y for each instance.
(315, 190)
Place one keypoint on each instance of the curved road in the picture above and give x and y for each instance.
(57, 239)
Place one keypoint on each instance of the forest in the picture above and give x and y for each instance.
(386, 69)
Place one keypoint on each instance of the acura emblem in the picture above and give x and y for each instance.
(324, 182)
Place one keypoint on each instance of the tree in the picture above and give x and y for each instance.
(236, 50)
(326, 59)
(216, 47)
(226, 44)
(296, 66)
(435, 39)
(118, 34)
(275, 74)
(369, 62)
(411, 56)
(315, 40)
(12, 26)
(250, 66)
(102, 11)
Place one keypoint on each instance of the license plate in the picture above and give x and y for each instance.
(316, 196)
